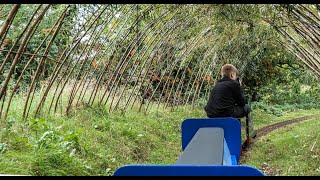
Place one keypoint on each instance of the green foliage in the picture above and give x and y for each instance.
(275, 110)
(47, 134)
(295, 86)
(3, 148)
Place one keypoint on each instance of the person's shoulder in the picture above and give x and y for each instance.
(236, 83)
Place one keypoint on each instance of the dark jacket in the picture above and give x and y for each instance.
(225, 95)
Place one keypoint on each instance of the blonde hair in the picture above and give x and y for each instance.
(227, 69)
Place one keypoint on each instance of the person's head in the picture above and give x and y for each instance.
(228, 70)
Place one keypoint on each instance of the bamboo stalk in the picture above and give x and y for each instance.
(119, 65)
(8, 21)
(68, 76)
(126, 54)
(202, 82)
(31, 59)
(161, 77)
(301, 50)
(42, 61)
(17, 40)
(64, 73)
(136, 95)
(133, 69)
(107, 84)
(186, 98)
(142, 57)
(167, 82)
(32, 54)
(124, 64)
(95, 55)
(180, 67)
(21, 48)
(170, 33)
(104, 71)
(87, 45)
(57, 69)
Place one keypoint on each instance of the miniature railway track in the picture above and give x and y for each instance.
(267, 129)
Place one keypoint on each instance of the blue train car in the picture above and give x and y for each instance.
(210, 147)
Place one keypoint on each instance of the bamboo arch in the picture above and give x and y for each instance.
(122, 56)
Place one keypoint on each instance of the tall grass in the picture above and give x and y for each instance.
(93, 141)
(90, 140)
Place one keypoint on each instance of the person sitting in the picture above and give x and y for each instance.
(226, 98)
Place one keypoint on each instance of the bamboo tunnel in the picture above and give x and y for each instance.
(56, 58)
